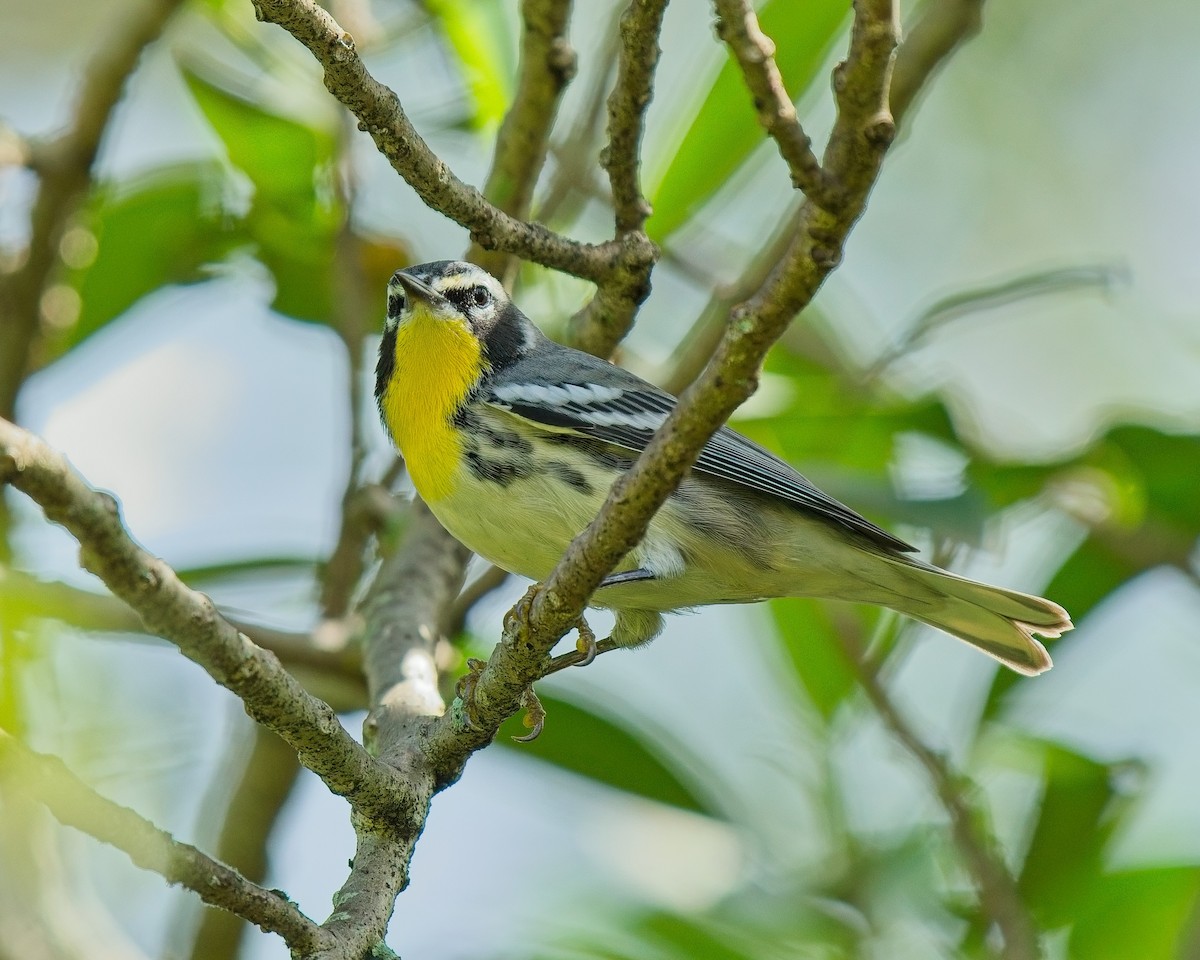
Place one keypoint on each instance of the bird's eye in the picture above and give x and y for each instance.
(481, 296)
(395, 303)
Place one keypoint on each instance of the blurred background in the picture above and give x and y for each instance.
(1005, 370)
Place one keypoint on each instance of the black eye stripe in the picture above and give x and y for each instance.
(466, 297)
(457, 296)
(395, 303)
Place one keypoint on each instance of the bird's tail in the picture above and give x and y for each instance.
(1000, 622)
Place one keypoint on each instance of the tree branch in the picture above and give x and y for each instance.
(75, 804)
(602, 324)
(264, 783)
(640, 27)
(547, 66)
(999, 898)
(171, 610)
(380, 114)
(860, 138)
(754, 51)
(404, 609)
(944, 26)
(65, 172)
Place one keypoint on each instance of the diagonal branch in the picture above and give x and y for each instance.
(271, 695)
(601, 325)
(547, 66)
(998, 894)
(265, 781)
(754, 51)
(64, 167)
(75, 804)
(380, 114)
(857, 145)
(944, 25)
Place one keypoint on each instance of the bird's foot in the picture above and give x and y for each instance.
(535, 715)
(464, 689)
(518, 617)
(585, 643)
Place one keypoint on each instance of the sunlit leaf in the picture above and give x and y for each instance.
(478, 33)
(280, 155)
(685, 937)
(294, 215)
(578, 739)
(1073, 827)
(726, 129)
(156, 230)
(1148, 914)
(808, 634)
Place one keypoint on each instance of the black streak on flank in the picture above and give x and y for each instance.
(507, 440)
(570, 476)
(495, 471)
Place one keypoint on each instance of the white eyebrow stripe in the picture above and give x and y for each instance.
(466, 279)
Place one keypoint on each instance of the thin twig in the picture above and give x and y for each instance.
(487, 583)
(999, 898)
(188, 619)
(944, 25)
(77, 805)
(380, 114)
(65, 172)
(640, 27)
(860, 138)
(964, 303)
(547, 66)
(351, 307)
(574, 154)
(754, 51)
(607, 317)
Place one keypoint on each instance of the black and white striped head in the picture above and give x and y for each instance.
(457, 292)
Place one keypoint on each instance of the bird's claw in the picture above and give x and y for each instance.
(586, 642)
(464, 689)
(518, 616)
(535, 715)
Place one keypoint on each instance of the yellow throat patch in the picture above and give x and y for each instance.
(437, 361)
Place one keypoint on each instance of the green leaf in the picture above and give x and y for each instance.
(281, 156)
(295, 213)
(808, 634)
(1073, 827)
(1167, 466)
(1147, 914)
(478, 33)
(159, 229)
(685, 937)
(726, 130)
(578, 739)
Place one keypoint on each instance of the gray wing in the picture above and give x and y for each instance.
(604, 402)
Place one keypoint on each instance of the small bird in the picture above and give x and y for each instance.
(513, 442)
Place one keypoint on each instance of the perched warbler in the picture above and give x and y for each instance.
(513, 442)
